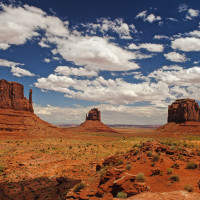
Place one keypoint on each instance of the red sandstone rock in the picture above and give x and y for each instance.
(12, 96)
(184, 110)
(94, 114)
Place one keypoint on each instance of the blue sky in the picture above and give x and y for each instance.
(131, 59)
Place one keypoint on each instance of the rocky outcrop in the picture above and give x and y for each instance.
(12, 96)
(94, 115)
(184, 110)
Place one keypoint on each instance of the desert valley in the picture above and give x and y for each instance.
(94, 161)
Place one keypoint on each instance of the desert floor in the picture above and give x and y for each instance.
(31, 166)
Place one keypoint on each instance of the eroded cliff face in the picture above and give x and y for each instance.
(12, 96)
(184, 110)
(94, 115)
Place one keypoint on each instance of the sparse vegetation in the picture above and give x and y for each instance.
(149, 153)
(121, 195)
(128, 166)
(119, 162)
(155, 158)
(140, 177)
(174, 178)
(189, 188)
(169, 171)
(191, 165)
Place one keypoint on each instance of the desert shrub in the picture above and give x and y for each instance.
(140, 177)
(119, 162)
(155, 158)
(121, 195)
(161, 174)
(149, 153)
(169, 171)
(1, 168)
(153, 164)
(191, 165)
(79, 187)
(128, 166)
(175, 166)
(198, 153)
(189, 188)
(174, 178)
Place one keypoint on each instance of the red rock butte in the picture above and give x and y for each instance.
(184, 110)
(17, 114)
(183, 117)
(12, 96)
(93, 122)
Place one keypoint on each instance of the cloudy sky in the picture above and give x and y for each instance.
(131, 59)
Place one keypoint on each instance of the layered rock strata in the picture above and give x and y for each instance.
(12, 96)
(184, 110)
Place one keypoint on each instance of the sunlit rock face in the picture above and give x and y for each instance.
(12, 96)
(184, 110)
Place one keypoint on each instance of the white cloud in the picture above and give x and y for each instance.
(4, 46)
(16, 71)
(193, 13)
(176, 57)
(186, 44)
(152, 18)
(92, 52)
(6, 63)
(194, 33)
(66, 71)
(159, 37)
(172, 19)
(182, 7)
(156, 88)
(142, 14)
(121, 114)
(47, 60)
(148, 46)
(95, 53)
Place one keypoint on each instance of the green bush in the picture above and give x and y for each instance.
(191, 165)
(189, 188)
(155, 158)
(174, 178)
(1, 168)
(119, 162)
(79, 187)
(169, 171)
(128, 166)
(149, 153)
(121, 195)
(140, 177)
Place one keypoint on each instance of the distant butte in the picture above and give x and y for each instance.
(183, 117)
(17, 114)
(93, 122)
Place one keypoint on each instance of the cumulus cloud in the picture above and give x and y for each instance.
(155, 88)
(194, 33)
(47, 60)
(82, 50)
(192, 13)
(182, 7)
(150, 18)
(148, 46)
(4, 46)
(66, 71)
(16, 71)
(121, 114)
(186, 44)
(175, 57)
